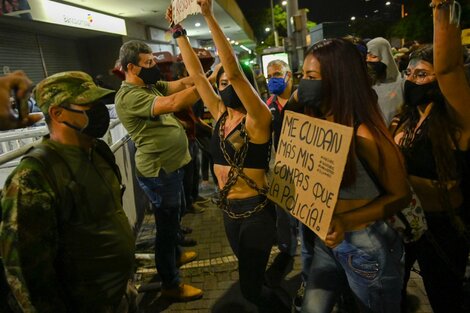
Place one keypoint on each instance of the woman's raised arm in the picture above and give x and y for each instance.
(448, 61)
(257, 111)
(193, 66)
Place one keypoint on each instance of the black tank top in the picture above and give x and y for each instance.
(257, 156)
(419, 157)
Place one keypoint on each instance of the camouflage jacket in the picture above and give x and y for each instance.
(52, 267)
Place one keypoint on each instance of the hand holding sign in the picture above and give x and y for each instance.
(180, 9)
(206, 7)
(335, 233)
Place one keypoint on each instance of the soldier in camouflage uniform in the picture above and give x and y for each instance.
(69, 253)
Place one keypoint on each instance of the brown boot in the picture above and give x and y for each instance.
(186, 257)
(182, 293)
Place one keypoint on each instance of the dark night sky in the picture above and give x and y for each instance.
(327, 10)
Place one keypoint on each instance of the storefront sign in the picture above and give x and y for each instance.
(308, 170)
(62, 14)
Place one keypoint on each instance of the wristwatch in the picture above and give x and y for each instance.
(179, 32)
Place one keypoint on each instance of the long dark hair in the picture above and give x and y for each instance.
(441, 129)
(348, 95)
(247, 71)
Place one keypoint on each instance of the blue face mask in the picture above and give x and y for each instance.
(277, 85)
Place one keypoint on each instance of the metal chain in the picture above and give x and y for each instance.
(236, 170)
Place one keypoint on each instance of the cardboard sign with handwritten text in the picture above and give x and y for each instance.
(308, 169)
(182, 8)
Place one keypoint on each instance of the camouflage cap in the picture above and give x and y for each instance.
(67, 88)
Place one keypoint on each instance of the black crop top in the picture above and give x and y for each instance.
(419, 157)
(257, 156)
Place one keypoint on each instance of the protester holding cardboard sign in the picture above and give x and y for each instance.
(360, 250)
(240, 149)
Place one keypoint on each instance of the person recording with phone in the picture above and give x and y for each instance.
(18, 84)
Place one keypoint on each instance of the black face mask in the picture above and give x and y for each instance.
(230, 98)
(310, 95)
(150, 75)
(98, 121)
(379, 69)
(416, 95)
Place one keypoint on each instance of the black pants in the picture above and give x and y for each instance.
(442, 254)
(206, 165)
(251, 239)
(191, 177)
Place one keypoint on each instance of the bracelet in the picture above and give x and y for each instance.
(441, 4)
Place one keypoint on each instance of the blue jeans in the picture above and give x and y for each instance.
(370, 261)
(191, 177)
(307, 247)
(167, 196)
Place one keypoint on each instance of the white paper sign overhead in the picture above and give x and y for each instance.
(182, 8)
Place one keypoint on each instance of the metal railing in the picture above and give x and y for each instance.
(15, 143)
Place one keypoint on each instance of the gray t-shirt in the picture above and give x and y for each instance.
(390, 98)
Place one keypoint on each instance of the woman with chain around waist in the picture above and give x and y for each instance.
(241, 145)
(433, 132)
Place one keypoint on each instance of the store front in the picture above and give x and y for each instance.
(49, 37)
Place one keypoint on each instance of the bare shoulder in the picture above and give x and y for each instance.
(366, 144)
(364, 132)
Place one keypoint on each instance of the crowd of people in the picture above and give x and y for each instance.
(62, 217)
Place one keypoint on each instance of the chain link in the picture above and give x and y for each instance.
(236, 170)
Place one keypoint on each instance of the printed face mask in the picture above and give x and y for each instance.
(230, 98)
(97, 121)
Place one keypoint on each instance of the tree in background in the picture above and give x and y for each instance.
(416, 25)
(259, 22)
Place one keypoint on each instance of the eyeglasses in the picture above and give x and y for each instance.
(420, 76)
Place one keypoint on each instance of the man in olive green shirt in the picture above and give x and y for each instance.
(145, 107)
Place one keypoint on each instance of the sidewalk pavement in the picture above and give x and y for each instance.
(216, 270)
